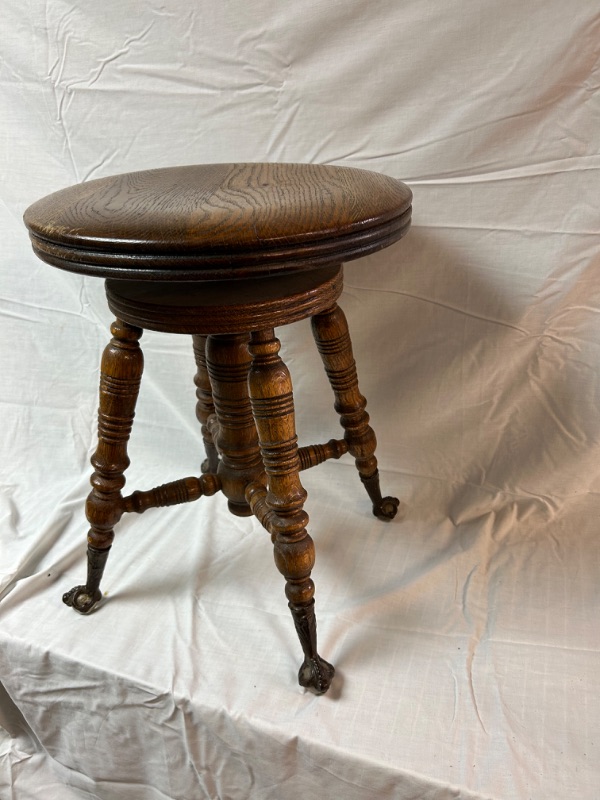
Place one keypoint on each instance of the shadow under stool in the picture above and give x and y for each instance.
(226, 253)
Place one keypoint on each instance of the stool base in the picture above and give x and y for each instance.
(246, 411)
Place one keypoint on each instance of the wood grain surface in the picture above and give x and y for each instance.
(218, 218)
(225, 306)
(209, 224)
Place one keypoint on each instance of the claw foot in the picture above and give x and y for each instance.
(81, 600)
(387, 508)
(316, 674)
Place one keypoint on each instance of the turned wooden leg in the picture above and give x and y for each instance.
(228, 361)
(330, 330)
(282, 513)
(121, 372)
(205, 406)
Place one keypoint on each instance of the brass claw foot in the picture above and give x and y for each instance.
(387, 508)
(81, 600)
(316, 674)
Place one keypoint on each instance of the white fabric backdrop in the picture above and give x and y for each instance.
(465, 633)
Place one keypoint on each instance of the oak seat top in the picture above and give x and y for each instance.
(217, 221)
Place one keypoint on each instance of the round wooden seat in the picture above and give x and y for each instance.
(215, 221)
(227, 253)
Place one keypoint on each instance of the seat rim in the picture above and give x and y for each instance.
(222, 307)
(208, 221)
(206, 266)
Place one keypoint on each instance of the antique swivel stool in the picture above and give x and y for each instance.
(226, 253)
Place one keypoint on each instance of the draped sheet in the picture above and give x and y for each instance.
(464, 633)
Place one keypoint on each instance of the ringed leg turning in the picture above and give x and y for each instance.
(273, 408)
(121, 373)
(205, 406)
(234, 431)
(330, 330)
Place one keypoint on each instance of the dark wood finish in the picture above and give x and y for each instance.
(280, 508)
(121, 373)
(217, 221)
(316, 454)
(205, 407)
(332, 337)
(225, 306)
(228, 362)
(185, 490)
(227, 253)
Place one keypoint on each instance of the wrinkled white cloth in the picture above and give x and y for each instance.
(465, 633)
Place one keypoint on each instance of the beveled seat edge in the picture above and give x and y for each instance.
(215, 264)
